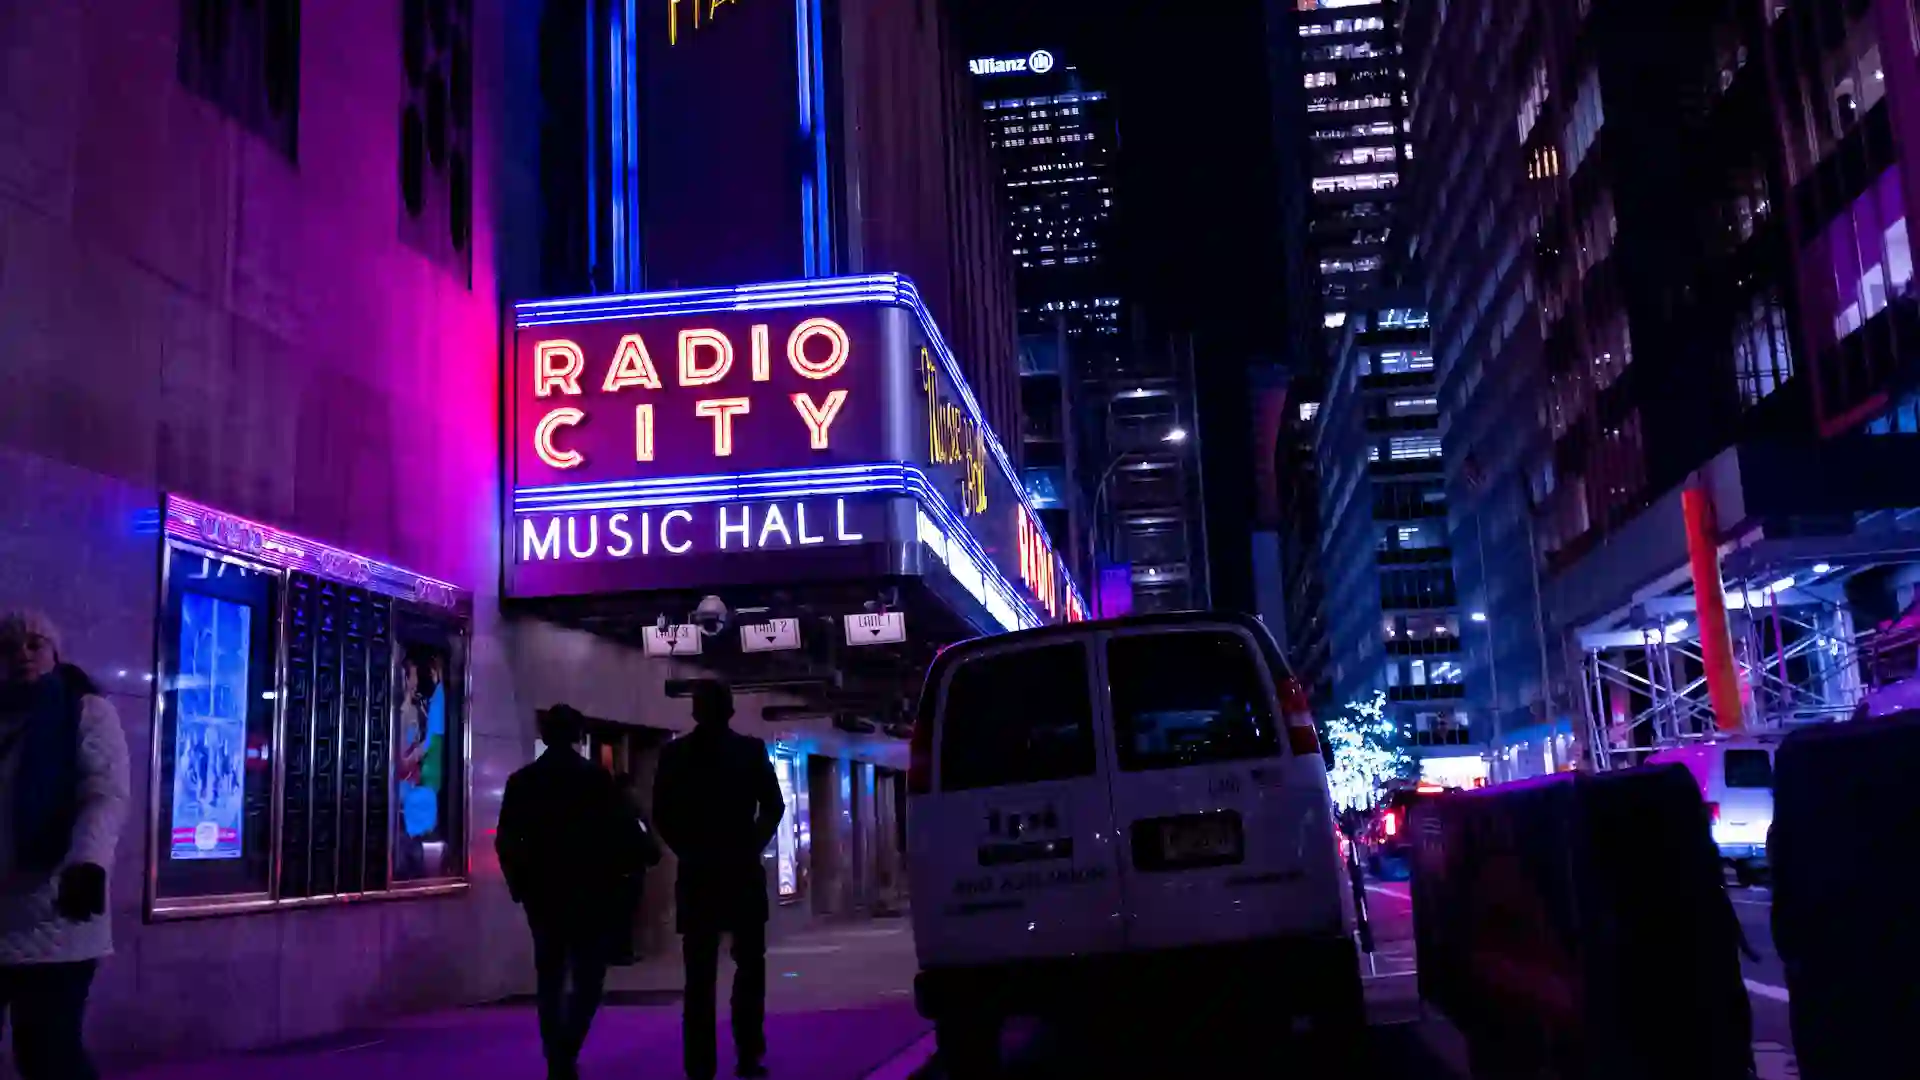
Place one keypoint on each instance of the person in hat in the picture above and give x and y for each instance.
(63, 800)
(717, 804)
(566, 841)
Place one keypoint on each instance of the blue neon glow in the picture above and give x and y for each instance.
(895, 290)
(940, 528)
(823, 256)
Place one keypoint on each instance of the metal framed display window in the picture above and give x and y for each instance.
(310, 738)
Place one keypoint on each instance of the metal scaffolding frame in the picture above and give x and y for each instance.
(1798, 656)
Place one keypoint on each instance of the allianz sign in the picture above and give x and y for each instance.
(1039, 62)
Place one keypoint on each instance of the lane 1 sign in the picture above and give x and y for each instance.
(774, 635)
(676, 639)
(883, 628)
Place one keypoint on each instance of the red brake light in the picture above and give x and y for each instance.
(1713, 810)
(1391, 823)
(920, 758)
(1299, 717)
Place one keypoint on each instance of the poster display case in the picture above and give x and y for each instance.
(310, 738)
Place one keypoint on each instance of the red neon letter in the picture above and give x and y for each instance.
(691, 341)
(836, 355)
(543, 438)
(722, 411)
(762, 355)
(643, 433)
(557, 365)
(632, 366)
(820, 418)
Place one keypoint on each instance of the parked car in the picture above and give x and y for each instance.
(1736, 780)
(1117, 812)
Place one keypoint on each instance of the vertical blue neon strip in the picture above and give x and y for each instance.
(616, 144)
(803, 68)
(593, 136)
(822, 182)
(635, 272)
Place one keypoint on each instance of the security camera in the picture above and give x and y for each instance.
(711, 616)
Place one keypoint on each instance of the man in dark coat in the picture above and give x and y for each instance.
(717, 804)
(566, 840)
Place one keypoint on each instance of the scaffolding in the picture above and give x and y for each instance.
(1797, 654)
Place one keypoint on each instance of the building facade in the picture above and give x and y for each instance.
(262, 289)
(1648, 342)
(1351, 74)
(1117, 431)
(1398, 626)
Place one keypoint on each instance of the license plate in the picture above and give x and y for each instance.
(1199, 840)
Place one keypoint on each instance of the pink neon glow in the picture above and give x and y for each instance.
(200, 524)
(722, 411)
(839, 348)
(557, 366)
(543, 439)
(691, 343)
(632, 366)
(820, 417)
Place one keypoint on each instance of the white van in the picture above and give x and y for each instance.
(1099, 811)
(1736, 781)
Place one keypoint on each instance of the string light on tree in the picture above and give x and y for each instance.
(1369, 752)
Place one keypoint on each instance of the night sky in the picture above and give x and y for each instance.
(1199, 206)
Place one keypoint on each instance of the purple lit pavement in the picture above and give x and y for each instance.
(839, 1008)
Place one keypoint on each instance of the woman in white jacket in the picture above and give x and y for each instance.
(63, 799)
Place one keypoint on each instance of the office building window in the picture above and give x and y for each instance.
(1870, 254)
(1414, 447)
(1762, 352)
(436, 133)
(245, 59)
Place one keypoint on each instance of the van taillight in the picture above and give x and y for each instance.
(1391, 824)
(1713, 811)
(920, 759)
(1299, 717)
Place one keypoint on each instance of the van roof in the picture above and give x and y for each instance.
(1171, 620)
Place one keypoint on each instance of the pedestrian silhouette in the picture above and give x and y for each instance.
(717, 804)
(566, 841)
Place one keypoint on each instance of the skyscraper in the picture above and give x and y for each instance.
(1112, 422)
(1350, 71)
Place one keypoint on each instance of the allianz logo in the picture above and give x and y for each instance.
(1039, 62)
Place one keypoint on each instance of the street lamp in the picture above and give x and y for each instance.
(1174, 436)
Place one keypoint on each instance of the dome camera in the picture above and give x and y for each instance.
(710, 615)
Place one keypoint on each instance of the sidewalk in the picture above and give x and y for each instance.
(839, 1006)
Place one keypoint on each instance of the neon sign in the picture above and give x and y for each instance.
(690, 11)
(955, 438)
(701, 414)
(697, 528)
(1037, 62)
(707, 358)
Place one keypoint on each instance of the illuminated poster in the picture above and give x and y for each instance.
(421, 762)
(787, 841)
(210, 741)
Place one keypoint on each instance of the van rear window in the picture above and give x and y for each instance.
(1017, 718)
(1749, 769)
(1188, 698)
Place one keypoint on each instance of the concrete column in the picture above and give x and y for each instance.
(830, 793)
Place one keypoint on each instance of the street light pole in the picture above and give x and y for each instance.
(1176, 436)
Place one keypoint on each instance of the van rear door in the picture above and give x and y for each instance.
(1745, 796)
(1225, 835)
(1013, 850)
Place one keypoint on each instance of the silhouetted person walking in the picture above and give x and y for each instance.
(566, 840)
(717, 804)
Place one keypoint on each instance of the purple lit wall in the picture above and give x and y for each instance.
(186, 308)
(1116, 592)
